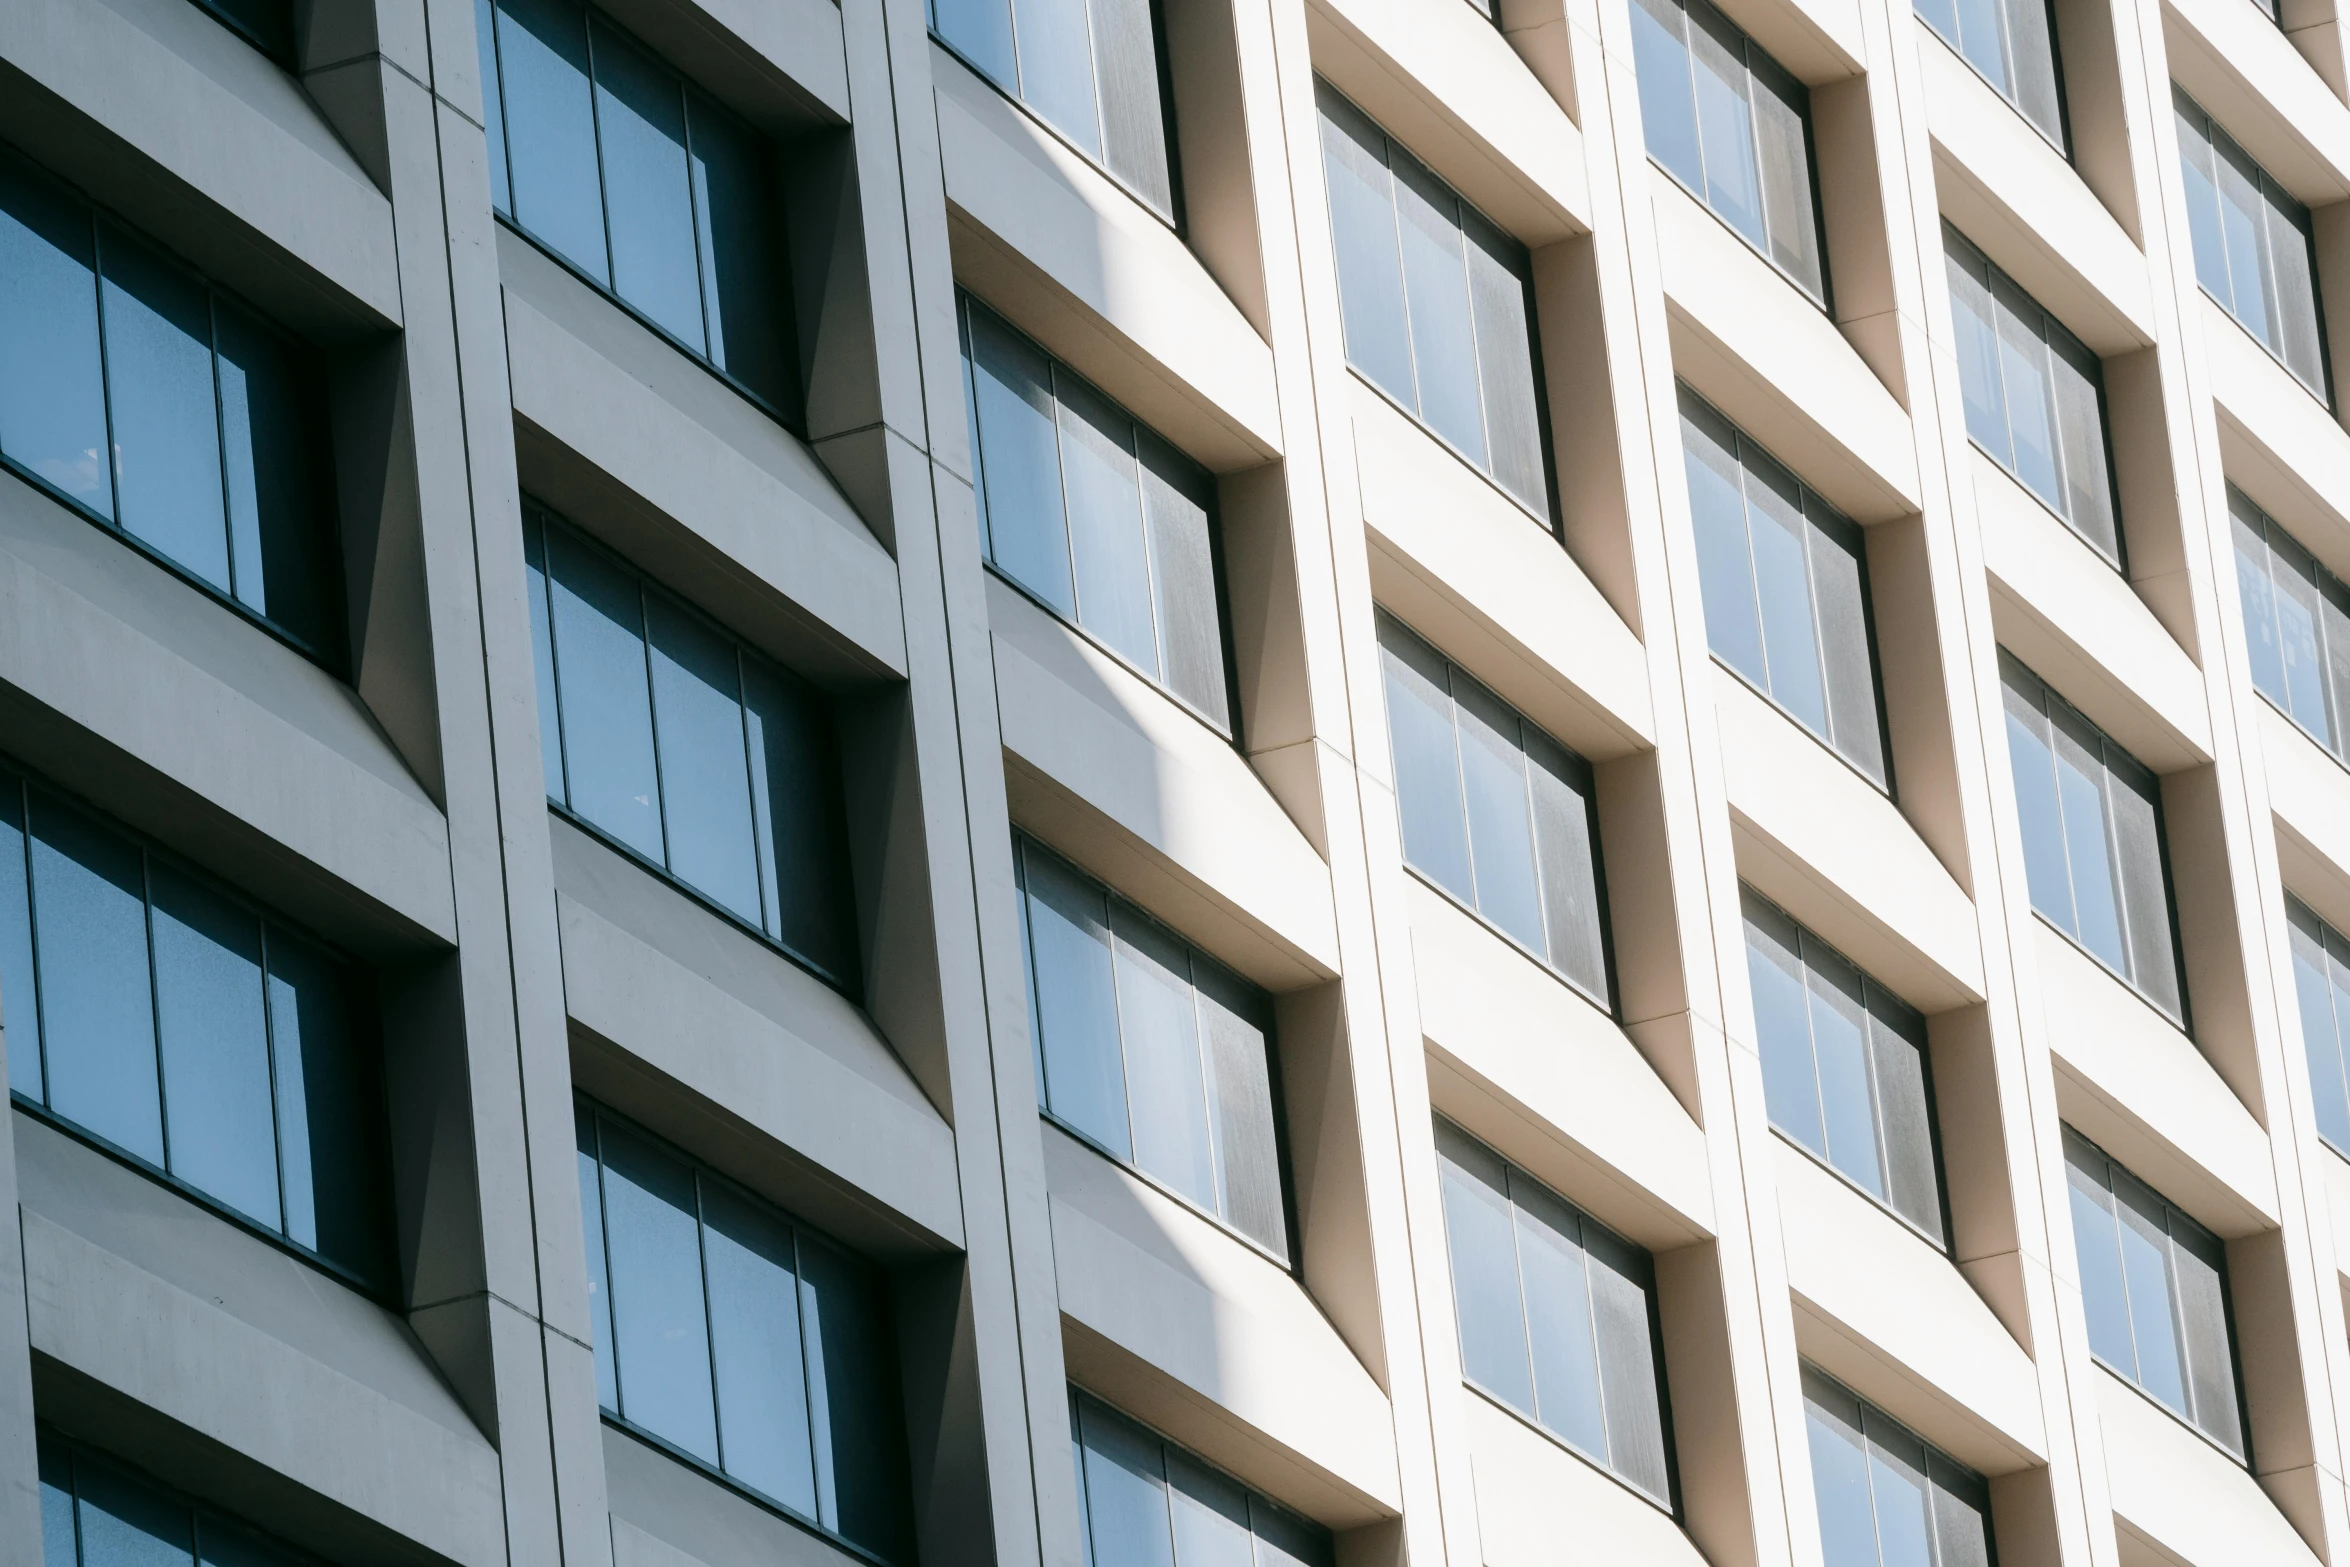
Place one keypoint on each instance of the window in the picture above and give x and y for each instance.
(2093, 850)
(2012, 45)
(1144, 1500)
(1087, 68)
(2253, 251)
(1437, 303)
(1886, 1499)
(1094, 516)
(2154, 1288)
(1785, 581)
(684, 747)
(2034, 396)
(1495, 812)
(2321, 977)
(2296, 625)
(642, 185)
(1844, 1066)
(1557, 1314)
(1728, 122)
(1151, 1050)
(96, 1513)
(740, 1339)
(172, 1022)
(214, 420)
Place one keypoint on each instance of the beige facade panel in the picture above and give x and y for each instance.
(1532, 1493)
(2177, 1498)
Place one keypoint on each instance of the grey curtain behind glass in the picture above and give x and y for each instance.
(2253, 248)
(2012, 46)
(1437, 302)
(2296, 625)
(1143, 1500)
(1885, 1498)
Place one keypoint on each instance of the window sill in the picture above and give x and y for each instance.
(1230, 737)
(1818, 301)
(2116, 563)
(1172, 1195)
(2323, 399)
(1670, 1509)
(1604, 1007)
(1548, 525)
(758, 1498)
(1884, 789)
(2241, 1460)
(1941, 1248)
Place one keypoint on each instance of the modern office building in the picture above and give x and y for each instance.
(1164, 783)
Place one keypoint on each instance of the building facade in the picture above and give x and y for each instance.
(1219, 781)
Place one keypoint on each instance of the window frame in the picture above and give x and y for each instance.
(1230, 732)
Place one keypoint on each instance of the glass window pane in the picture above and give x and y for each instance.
(57, 1533)
(1027, 532)
(801, 818)
(328, 1106)
(1621, 1287)
(2034, 89)
(98, 1022)
(755, 1346)
(1112, 560)
(1436, 297)
(17, 992)
(1962, 1518)
(1211, 1515)
(1783, 147)
(2146, 1275)
(1897, 1042)
(1056, 68)
(2263, 642)
(2200, 173)
(1362, 234)
(485, 38)
(1782, 1023)
(2296, 289)
(166, 419)
(1183, 580)
(1558, 1319)
(606, 704)
(542, 647)
(1725, 122)
(706, 786)
(2320, 1027)
(1897, 1483)
(1840, 1477)
(1782, 582)
(1125, 1491)
(2145, 894)
(281, 543)
(52, 400)
(1479, 1229)
(640, 129)
(2032, 759)
(1668, 102)
(981, 32)
(744, 293)
(1839, 1028)
(591, 1204)
(2296, 602)
(1501, 828)
(1165, 1088)
(1562, 792)
(124, 1524)
(1982, 41)
(1286, 1540)
(1076, 1001)
(1975, 322)
(2025, 377)
(852, 1389)
(2244, 230)
(1725, 566)
(1427, 762)
(1240, 1107)
(214, 1043)
(660, 1326)
(2198, 1265)
(2080, 420)
(2105, 1296)
(1134, 126)
(551, 129)
(1839, 572)
(1499, 303)
(2080, 788)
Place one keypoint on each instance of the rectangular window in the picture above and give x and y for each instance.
(169, 1020)
(2253, 247)
(2012, 45)
(1844, 1066)
(1094, 516)
(1151, 1050)
(2154, 1286)
(643, 186)
(1785, 581)
(2034, 396)
(96, 1512)
(1557, 1314)
(1143, 1501)
(1437, 303)
(1886, 1499)
(2296, 625)
(740, 1339)
(675, 741)
(1495, 812)
(162, 409)
(1090, 69)
(2093, 847)
(1730, 123)
(2321, 981)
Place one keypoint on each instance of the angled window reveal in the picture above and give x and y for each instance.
(2012, 45)
(1496, 812)
(1143, 1500)
(1437, 303)
(676, 742)
(2093, 847)
(1094, 516)
(1885, 1498)
(1785, 581)
(2296, 625)
(1150, 1049)
(643, 186)
(1730, 123)
(2254, 252)
(1844, 1066)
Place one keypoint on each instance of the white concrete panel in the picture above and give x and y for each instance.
(2061, 607)
(2263, 92)
(1891, 1317)
(1165, 809)
(1533, 1494)
(1472, 570)
(2281, 446)
(2183, 1496)
(2309, 798)
(1056, 245)
(1821, 841)
(1754, 347)
(2131, 1082)
(2024, 206)
(1541, 1074)
(1192, 1330)
(697, 456)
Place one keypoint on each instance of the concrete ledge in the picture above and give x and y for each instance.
(2281, 446)
(2180, 1496)
(1533, 1493)
(667, 1514)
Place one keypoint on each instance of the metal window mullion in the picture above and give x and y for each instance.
(1053, 371)
(611, 1274)
(1509, 1199)
(1118, 1018)
(1207, 1084)
(587, 33)
(2106, 784)
(228, 526)
(808, 1355)
(1812, 536)
(1534, 839)
(1762, 625)
(506, 131)
(703, 264)
(1403, 276)
(1460, 780)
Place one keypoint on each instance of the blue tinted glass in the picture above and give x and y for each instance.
(1027, 529)
(795, 790)
(52, 399)
(2146, 1275)
(1898, 1482)
(640, 128)
(1158, 1024)
(326, 1106)
(981, 32)
(542, 648)
(2337, 1123)
(2320, 1033)
(1501, 827)
(1076, 1001)
(2037, 809)
(2301, 643)
(1782, 1025)
(124, 1524)
(2031, 411)
(1725, 569)
(860, 1447)
(1481, 1233)
(98, 1026)
(1056, 68)
(214, 1043)
(1210, 1515)
(705, 776)
(1126, 1493)
(755, 1343)
(1840, 1484)
(603, 697)
(1436, 298)
(279, 545)
(493, 105)
(1105, 523)
(1839, 1030)
(1362, 235)
(659, 1326)
(2201, 179)
(1782, 586)
(1558, 1319)
(2080, 786)
(1979, 38)
(166, 421)
(57, 1535)
(2243, 228)
(551, 129)
(1427, 765)
(1725, 122)
(17, 993)
(2105, 1299)
(2258, 595)
(743, 286)
(1668, 103)
(1975, 321)
(591, 1204)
